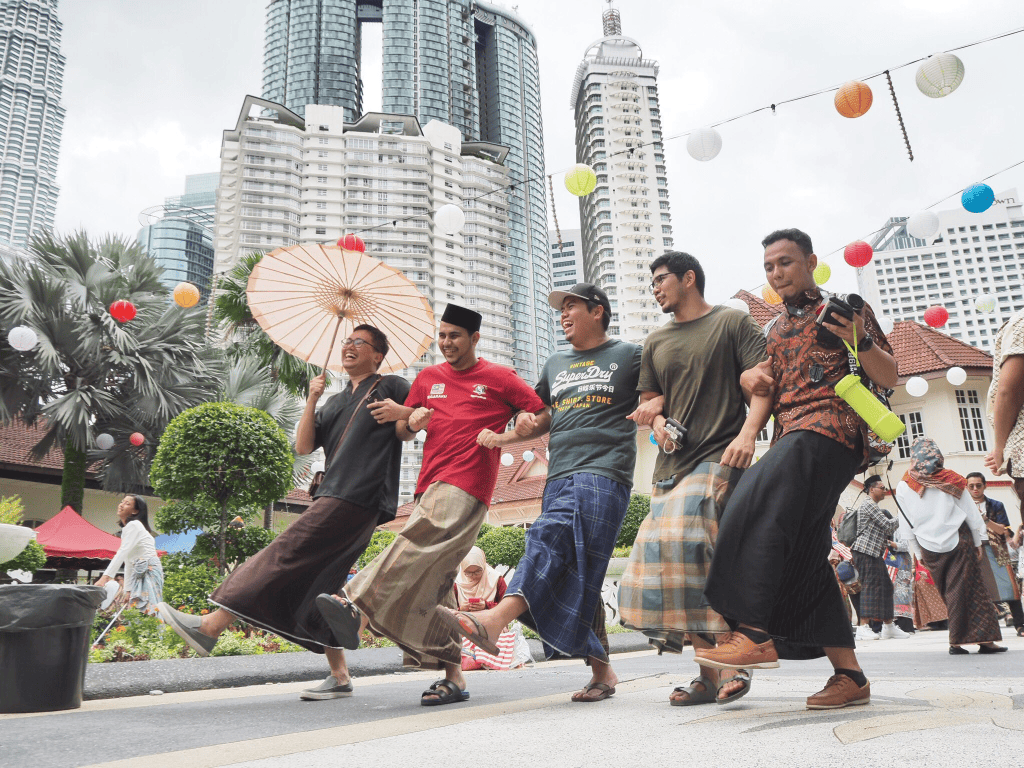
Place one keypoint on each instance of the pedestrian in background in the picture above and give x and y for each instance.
(875, 527)
(1003, 585)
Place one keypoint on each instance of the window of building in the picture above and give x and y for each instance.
(321, 230)
(915, 429)
(321, 153)
(972, 423)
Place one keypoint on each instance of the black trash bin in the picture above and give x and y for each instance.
(44, 645)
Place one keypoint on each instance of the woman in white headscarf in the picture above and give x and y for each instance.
(477, 587)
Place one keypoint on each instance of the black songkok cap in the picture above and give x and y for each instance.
(462, 317)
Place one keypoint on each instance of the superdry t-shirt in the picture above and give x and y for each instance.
(590, 394)
(466, 402)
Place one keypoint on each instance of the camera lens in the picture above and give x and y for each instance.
(856, 302)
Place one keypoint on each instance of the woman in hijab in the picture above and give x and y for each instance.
(478, 586)
(943, 529)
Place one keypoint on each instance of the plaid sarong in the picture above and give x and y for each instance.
(662, 589)
(400, 590)
(567, 554)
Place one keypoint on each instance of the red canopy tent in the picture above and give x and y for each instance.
(68, 538)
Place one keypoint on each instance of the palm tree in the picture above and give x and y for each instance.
(90, 374)
(244, 336)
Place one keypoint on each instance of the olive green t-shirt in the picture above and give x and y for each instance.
(697, 365)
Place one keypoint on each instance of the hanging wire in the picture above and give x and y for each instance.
(899, 116)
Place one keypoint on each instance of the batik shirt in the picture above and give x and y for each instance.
(806, 370)
(1009, 342)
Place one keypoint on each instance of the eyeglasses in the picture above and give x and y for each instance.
(656, 282)
(358, 344)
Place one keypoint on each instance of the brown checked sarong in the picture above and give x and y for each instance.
(401, 589)
(662, 589)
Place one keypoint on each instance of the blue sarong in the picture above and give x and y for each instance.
(567, 554)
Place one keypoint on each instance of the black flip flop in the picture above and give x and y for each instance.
(477, 637)
(744, 677)
(342, 617)
(445, 692)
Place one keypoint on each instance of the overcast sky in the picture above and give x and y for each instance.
(149, 87)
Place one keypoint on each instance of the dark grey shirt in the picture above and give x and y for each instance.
(364, 471)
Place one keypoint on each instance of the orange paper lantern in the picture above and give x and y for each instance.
(853, 99)
(770, 295)
(186, 295)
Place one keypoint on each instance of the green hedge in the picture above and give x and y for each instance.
(639, 508)
(503, 546)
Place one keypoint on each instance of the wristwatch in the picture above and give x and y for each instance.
(866, 343)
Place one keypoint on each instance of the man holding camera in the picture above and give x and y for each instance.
(706, 441)
(588, 392)
(770, 576)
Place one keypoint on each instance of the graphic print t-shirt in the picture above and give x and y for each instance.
(590, 394)
(466, 402)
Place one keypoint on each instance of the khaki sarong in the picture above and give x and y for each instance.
(400, 590)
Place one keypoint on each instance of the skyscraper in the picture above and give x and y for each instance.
(179, 234)
(466, 63)
(566, 271)
(626, 221)
(971, 254)
(31, 117)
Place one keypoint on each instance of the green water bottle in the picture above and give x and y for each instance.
(883, 422)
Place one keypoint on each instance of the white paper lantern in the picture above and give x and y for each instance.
(22, 338)
(739, 304)
(422, 435)
(450, 219)
(940, 75)
(956, 376)
(507, 459)
(104, 441)
(886, 324)
(923, 225)
(317, 466)
(527, 455)
(985, 302)
(704, 144)
(917, 387)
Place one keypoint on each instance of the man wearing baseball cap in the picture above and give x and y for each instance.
(588, 392)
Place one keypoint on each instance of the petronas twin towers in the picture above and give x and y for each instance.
(469, 64)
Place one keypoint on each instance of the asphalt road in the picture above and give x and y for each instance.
(928, 709)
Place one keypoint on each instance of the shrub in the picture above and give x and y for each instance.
(379, 542)
(31, 559)
(503, 546)
(639, 507)
(11, 510)
(188, 587)
(484, 530)
(239, 544)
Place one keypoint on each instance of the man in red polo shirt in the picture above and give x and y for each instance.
(462, 403)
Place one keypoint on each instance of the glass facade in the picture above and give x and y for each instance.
(31, 117)
(468, 64)
(183, 248)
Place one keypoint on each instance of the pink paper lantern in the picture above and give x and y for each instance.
(858, 253)
(936, 316)
(137, 439)
(352, 242)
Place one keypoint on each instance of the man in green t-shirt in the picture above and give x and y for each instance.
(589, 392)
(694, 362)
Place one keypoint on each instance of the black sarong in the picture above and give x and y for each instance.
(770, 568)
(276, 588)
(876, 589)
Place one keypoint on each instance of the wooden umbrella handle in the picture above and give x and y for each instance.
(333, 339)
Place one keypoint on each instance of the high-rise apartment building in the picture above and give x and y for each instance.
(626, 222)
(287, 179)
(31, 117)
(971, 254)
(469, 64)
(179, 234)
(566, 271)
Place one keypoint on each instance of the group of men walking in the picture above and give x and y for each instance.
(731, 558)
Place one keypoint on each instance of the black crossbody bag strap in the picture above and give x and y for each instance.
(315, 483)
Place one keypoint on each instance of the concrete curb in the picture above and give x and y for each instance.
(138, 678)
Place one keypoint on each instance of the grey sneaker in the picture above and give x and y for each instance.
(186, 627)
(328, 689)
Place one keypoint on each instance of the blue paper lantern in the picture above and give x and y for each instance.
(653, 441)
(978, 198)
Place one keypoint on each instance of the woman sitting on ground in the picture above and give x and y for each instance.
(478, 587)
(143, 574)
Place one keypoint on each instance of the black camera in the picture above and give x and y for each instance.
(836, 305)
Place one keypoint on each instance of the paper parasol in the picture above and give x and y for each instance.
(304, 295)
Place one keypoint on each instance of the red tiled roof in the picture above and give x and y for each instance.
(760, 309)
(16, 441)
(919, 349)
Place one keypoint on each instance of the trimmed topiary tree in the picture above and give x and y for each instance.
(503, 546)
(378, 543)
(639, 508)
(225, 458)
